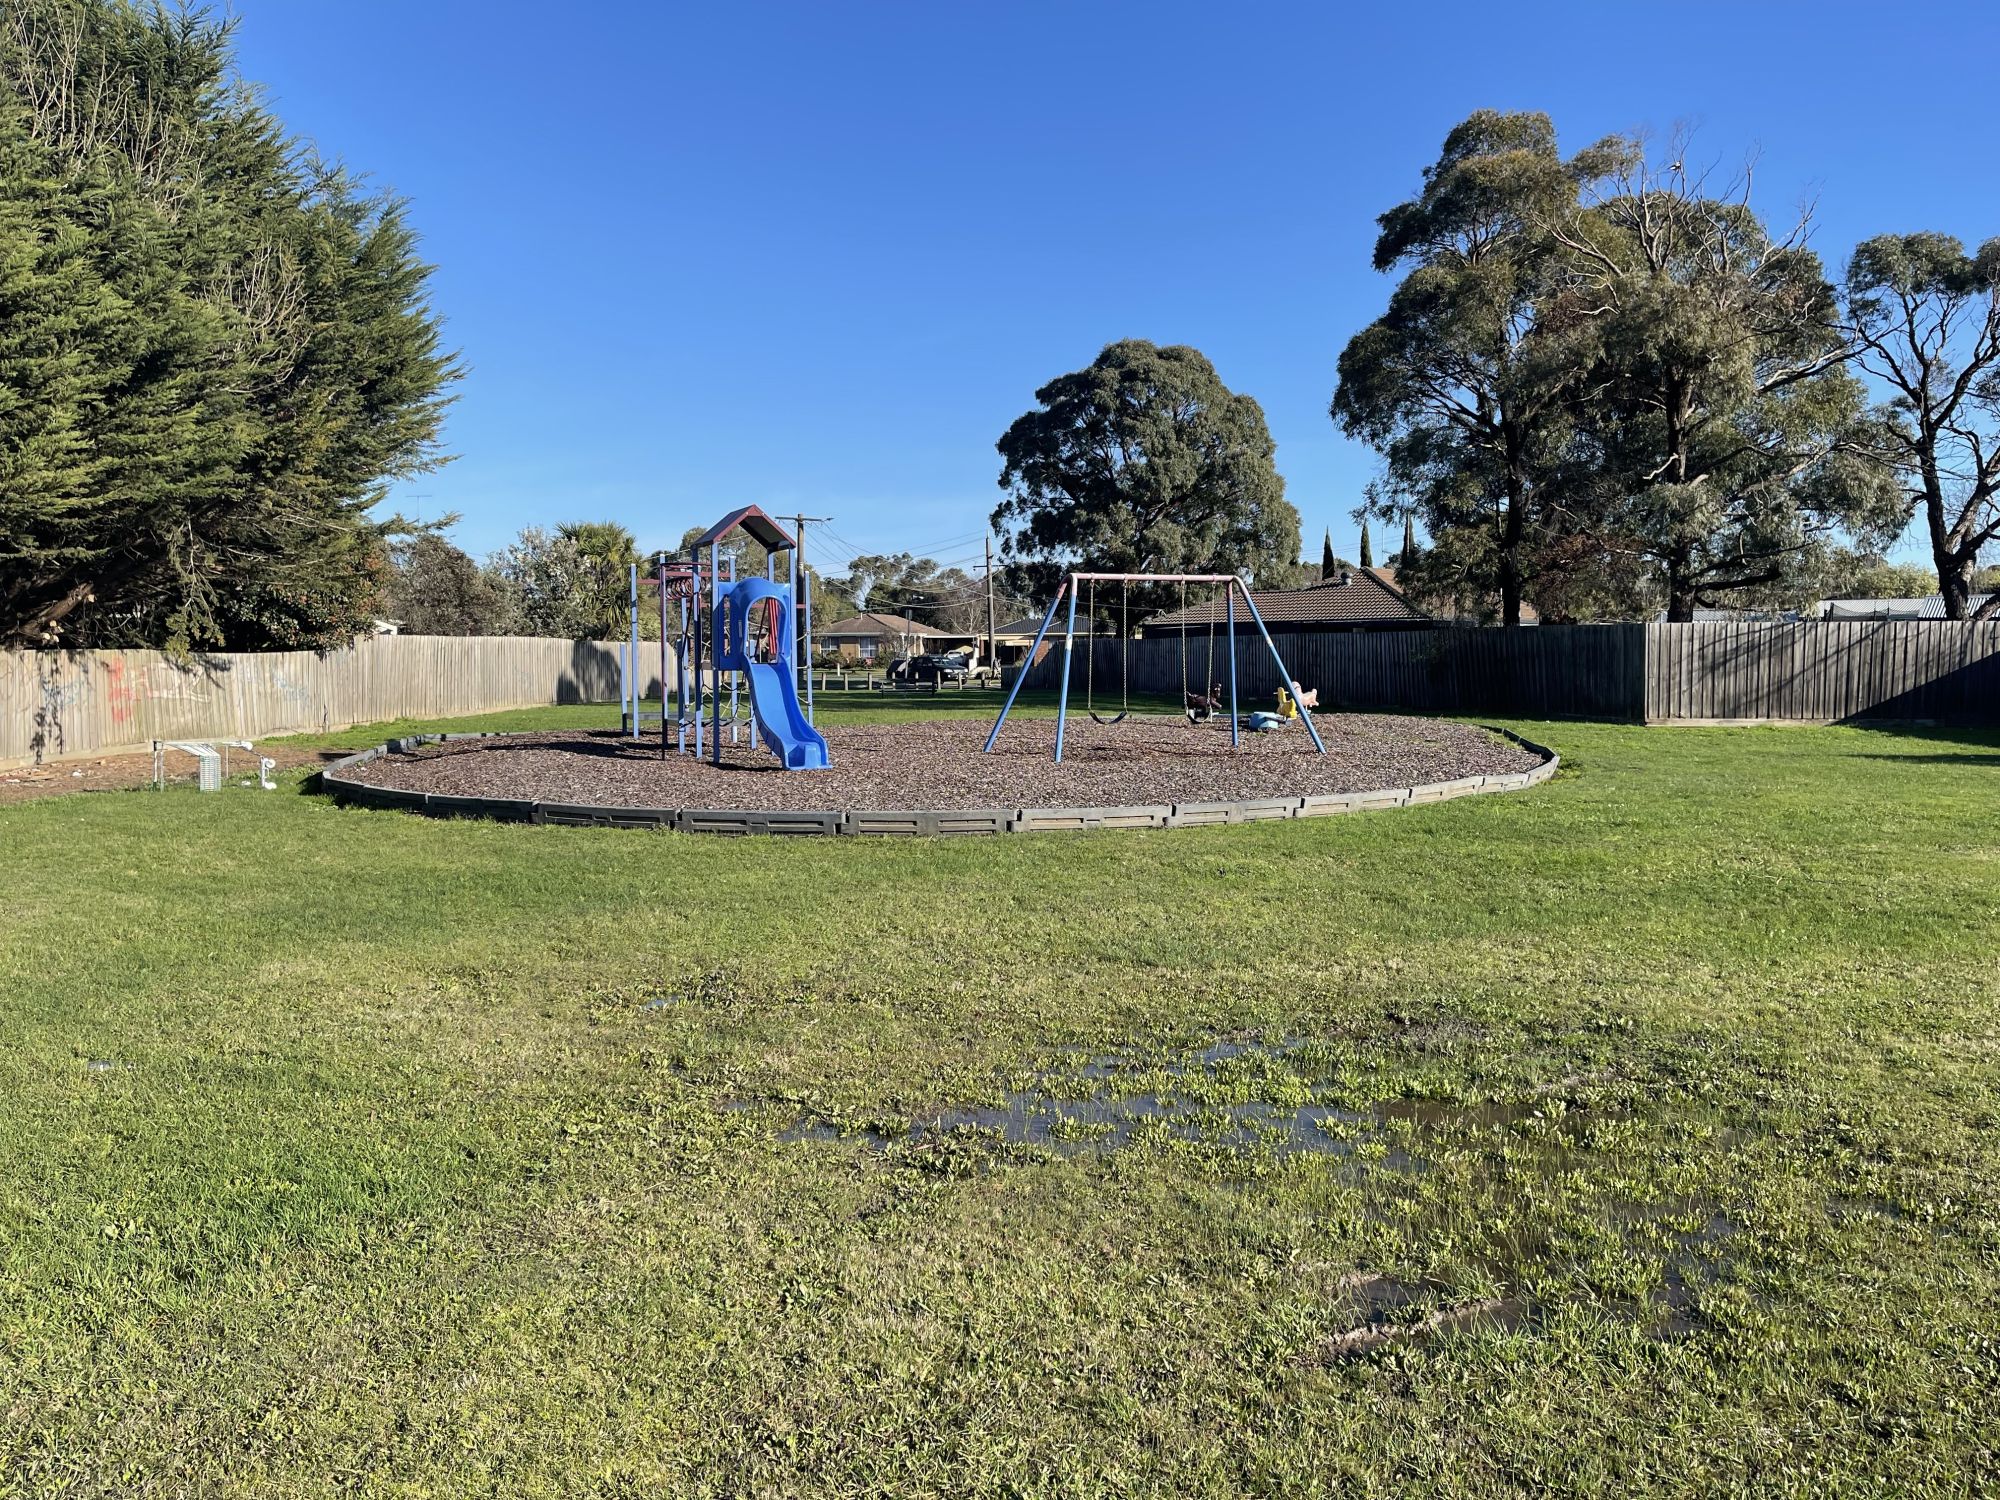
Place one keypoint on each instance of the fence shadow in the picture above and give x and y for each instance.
(593, 675)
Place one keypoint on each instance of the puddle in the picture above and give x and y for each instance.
(1135, 1097)
(1102, 1102)
(1446, 1114)
(1073, 1127)
(1111, 1116)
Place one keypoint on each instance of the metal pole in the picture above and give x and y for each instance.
(992, 631)
(715, 649)
(1062, 698)
(806, 656)
(1027, 663)
(1235, 729)
(681, 683)
(694, 600)
(633, 682)
(1284, 673)
(663, 661)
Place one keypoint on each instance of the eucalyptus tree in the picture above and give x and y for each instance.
(1723, 441)
(1925, 320)
(1142, 462)
(1468, 382)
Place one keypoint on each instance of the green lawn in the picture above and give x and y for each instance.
(349, 1152)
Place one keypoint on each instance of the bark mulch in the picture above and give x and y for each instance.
(937, 765)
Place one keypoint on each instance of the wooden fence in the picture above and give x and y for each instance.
(1822, 671)
(58, 704)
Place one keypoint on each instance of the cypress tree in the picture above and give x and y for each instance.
(1409, 542)
(1367, 552)
(214, 352)
(1328, 564)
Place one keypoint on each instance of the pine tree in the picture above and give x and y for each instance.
(1328, 563)
(1367, 552)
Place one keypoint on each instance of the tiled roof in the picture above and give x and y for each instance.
(869, 623)
(1363, 598)
(1027, 625)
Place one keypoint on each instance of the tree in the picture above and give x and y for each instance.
(214, 351)
(1722, 441)
(1367, 552)
(1848, 573)
(830, 598)
(1329, 565)
(1408, 556)
(900, 583)
(1144, 462)
(435, 589)
(600, 603)
(555, 589)
(1465, 384)
(1925, 318)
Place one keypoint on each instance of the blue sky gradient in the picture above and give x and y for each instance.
(817, 257)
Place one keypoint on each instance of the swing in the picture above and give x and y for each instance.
(1124, 660)
(1201, 706)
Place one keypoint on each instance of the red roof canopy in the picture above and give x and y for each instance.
(762, 529)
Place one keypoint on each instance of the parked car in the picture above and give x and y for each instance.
(969, 668)
(933, 667)
(942, 667)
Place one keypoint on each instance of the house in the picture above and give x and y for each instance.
(1450, 609)
(1930, 607)
(1353, 599)
(1012, 638)
(871, 637)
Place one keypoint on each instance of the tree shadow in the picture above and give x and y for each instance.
(1937, 760)
(594, 675)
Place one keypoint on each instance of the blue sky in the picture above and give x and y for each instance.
(817, 257)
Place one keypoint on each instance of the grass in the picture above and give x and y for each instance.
(348, 1152)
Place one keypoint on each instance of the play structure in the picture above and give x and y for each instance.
(730, 643)
(1198, 706)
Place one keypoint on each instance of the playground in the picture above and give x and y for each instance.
(938, 764)
(734, 730)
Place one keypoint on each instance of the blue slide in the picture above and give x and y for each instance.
(773, 699)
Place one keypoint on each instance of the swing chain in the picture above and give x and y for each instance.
(1125, 649)
(1184, 626)
(1090, 652)
(1209, 684)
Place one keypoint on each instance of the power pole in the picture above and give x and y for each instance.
(802, 617)
(992, 631)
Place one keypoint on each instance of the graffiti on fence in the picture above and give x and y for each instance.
(297, 694)
(119, 692)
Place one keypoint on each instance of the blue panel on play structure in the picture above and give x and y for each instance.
(774, 699)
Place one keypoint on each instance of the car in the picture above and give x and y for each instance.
(934, 667)
(940, 667)
(969, 668)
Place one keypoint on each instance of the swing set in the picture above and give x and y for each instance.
(1198, 706)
